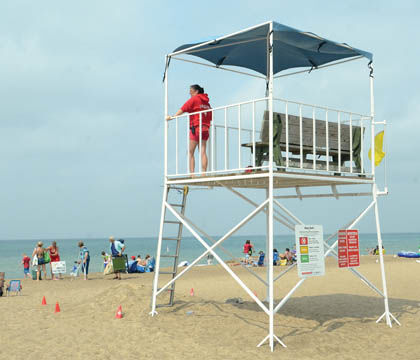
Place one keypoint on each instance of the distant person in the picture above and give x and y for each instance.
(275, 257)
(288, 255)
(106, 257)
(248, 249)
(54, 257)
(210, 258)
(39, 253)
(84, 259)
(199, 101)
(117, 248)
(26, 260)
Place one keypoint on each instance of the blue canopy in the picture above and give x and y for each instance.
(292, 48)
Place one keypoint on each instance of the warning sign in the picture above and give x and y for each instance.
(348, 248)
(310, 250)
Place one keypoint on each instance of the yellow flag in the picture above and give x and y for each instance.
(379, 144)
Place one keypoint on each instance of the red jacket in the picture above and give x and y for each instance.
(196, 103)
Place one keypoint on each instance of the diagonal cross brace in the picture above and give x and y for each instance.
(210, 249)
(224, 250)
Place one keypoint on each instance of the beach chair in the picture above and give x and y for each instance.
(14, 286)
(1, 283)
(120, 263)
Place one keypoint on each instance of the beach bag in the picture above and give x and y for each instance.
(35, 261)
(46, 257)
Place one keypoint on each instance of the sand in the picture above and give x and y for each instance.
(330, 317)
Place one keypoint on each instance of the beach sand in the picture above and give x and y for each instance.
(328, 317)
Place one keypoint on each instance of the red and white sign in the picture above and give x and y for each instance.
(348, 248)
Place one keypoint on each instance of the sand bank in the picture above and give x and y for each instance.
(327, 317)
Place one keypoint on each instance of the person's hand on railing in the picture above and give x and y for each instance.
(179, 112)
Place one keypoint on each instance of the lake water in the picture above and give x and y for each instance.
(11, 251)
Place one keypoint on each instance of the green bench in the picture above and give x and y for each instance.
(279, 143)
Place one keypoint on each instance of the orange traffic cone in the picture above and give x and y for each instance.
(44, 301)
(57, 308)
(119, 315)
(192, 292)
(255, 293)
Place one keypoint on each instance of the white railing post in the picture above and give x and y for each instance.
(287, 134)
(165, 150)
(226, 142)
(253, 134)
(351, 144)
(212, 141)
(188, 146)
(327, 142)
(361, 146)
(239, 137)
(176, 146)
(300, 137)
(200, 144)
(339, 140)
(313, 139)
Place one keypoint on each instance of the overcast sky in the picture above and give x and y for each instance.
(81, 109)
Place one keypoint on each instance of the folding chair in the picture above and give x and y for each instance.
(14, 286)
(120, 263)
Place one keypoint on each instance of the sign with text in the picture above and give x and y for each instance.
(58, 267)
(310, 250)
(348, 248)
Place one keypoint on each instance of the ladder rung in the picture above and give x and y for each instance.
(169, 238)
(169, 256)
(179, 205)
(172, 222)
(167, 272)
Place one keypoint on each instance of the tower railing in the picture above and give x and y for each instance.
(308, 138)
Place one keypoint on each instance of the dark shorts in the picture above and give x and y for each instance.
(194, 133)
(26, 271)
(41, 261)
(87, 266)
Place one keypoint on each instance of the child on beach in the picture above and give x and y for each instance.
(248, 251)
(106, 257)
(26, 261)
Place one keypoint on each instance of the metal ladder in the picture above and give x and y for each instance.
(168, 239)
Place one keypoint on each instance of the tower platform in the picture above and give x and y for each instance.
(260, 180)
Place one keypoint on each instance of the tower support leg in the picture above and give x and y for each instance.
(387, 314)
(159, 248)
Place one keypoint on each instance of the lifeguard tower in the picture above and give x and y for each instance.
(293, 145)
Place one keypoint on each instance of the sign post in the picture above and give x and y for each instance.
(348, 248)
(310, 250)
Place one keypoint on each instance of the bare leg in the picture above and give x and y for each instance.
(38, 272)
(45, 271)
(193, 145)
(204, 159)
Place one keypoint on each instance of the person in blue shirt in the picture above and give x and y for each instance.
(117, 248)
(84, 259)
